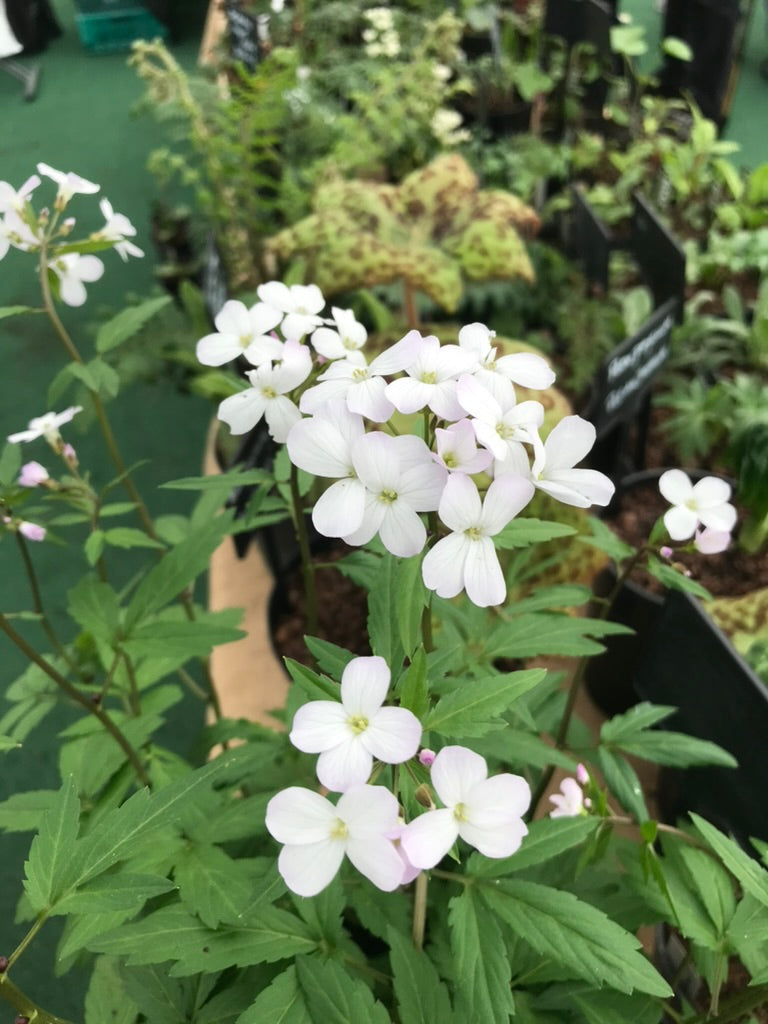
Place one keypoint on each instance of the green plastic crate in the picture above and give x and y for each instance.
(110, 26)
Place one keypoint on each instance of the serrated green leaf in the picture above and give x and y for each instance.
(50, 869)
(22, 812)
(675, 580)
(421, 996)
(128, 322)
(315, 686)
(482, 967)
(94, 546)
(163, 999)
(546, 839)
(538, 633)
(220, 481)
(596, 1006)
(198, 637)
(634, 722)
(748, 871)
(517, 747)
(383, 626)
(604, 539)
(411, 597)
(335, 997)
(413, 686)
(623, 782)
(330, 657)
(521, 533)
(323, 913)
(474, 709)
(95, 607)
(130, 537)
(114, 891)
(676, 749)
(573, 933)
(6, 311)
(281, 1003)
(212, 885)
(106, 1001)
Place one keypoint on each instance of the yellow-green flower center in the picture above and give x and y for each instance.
(429, 377)
(357, 723)
(450, 460)
(348, 344)
(269, 392)
(460, 812)
(339, 830)
(387, 497)
(474, 533)
(361, 373)
(245, 340)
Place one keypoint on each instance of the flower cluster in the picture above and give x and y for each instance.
(70, 264)
(340, 414)
(365, 823)
(381, 38)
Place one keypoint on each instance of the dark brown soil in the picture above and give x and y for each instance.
(342, 612)
(730, 574)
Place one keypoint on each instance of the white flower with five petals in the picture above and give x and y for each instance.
(704, 503)
(316, 837)
(486, 813)
(350, 734)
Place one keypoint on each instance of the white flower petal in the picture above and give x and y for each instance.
(506, 497)
(569, 442)
(241, 412)
(369, 811)
(527, 369)
(402, 531)
(409, 395)
(318, 726)
(217, 349)
(722, 518)
(681, 522)
(307, 870)
(348, 764)
(232, 318)
(393, 735)
(378, 860)
(460, 505)
(501, 840)
(483, 578)
(593, 487)
(675, 486)
(376, 460)
(710, 492)
(338, 511)
(368, 398)
(455, 771)
(498, 799)
(297, 815)
(281, 415)
(317, 446)
(428, 838)
(364, 685)
(443, 567)
(477, 400)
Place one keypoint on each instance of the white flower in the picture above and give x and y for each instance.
(15, 231)
(363, 385)
(445, 126)
(524, 368)
(33, 474)
(300, 302)
(317, 835)
(553, 468)
(11, 199)
(72, 270)
(486, 813)
(69, 183)
(323, 445)
(348, 735)
(712, 542)
(349, 335)
(569, 802)
(467, 559)
(118, 229)
(431, 379)
(705, 503)
(267, 395)
(457, 451)
(46, 426)
(277, 6)
(400, 481)
(501, 424)
(242, 332)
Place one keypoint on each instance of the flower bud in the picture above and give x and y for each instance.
(31, 531)
(69, 455)
(423, 796)
(666, 551)
(582, 775)
(426, 757)
(3, 964)
(33, 474)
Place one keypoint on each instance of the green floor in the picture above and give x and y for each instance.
(82, 121)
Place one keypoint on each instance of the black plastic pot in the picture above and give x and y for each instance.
(691, 664)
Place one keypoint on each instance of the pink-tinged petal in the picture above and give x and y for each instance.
(307, 870)
(281, 415)
(402, 531)
(428, 838)
(364, 685)
(711, 492)
(338, 511)
(460, 505)
(399, 356)
(498, 799)
(527, 369)
(675, 486)
(569, 442)
(348, 764)
(455, 771)
(377, 462)
(723, 517)
(505, 498)
(483, 578)
(217, 349)
(712, 542)
(33, 474)
(594, 487)
(318, 726)
(500, 840)
(393, 735)
(368, 811)
(681, 522)
(477, 400)
(409, 395)
(368, 398)
(317, 446)
(569, 802)
(243, 411)
(378, 860)
(32, 531)
(298, 816)
(443, 567)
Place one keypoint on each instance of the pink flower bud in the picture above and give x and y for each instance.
(582, 775)
(33, 474)
(426, 757)
(69, 453)
(666, 551)
(32, 531)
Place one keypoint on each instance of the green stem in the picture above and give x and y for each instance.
(134, 700)
(37, 602)
(24, 1006)
(734, 1008)
(578, 676)
(39, 922)
(74, 694)
(420, 909)
(307, 568)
